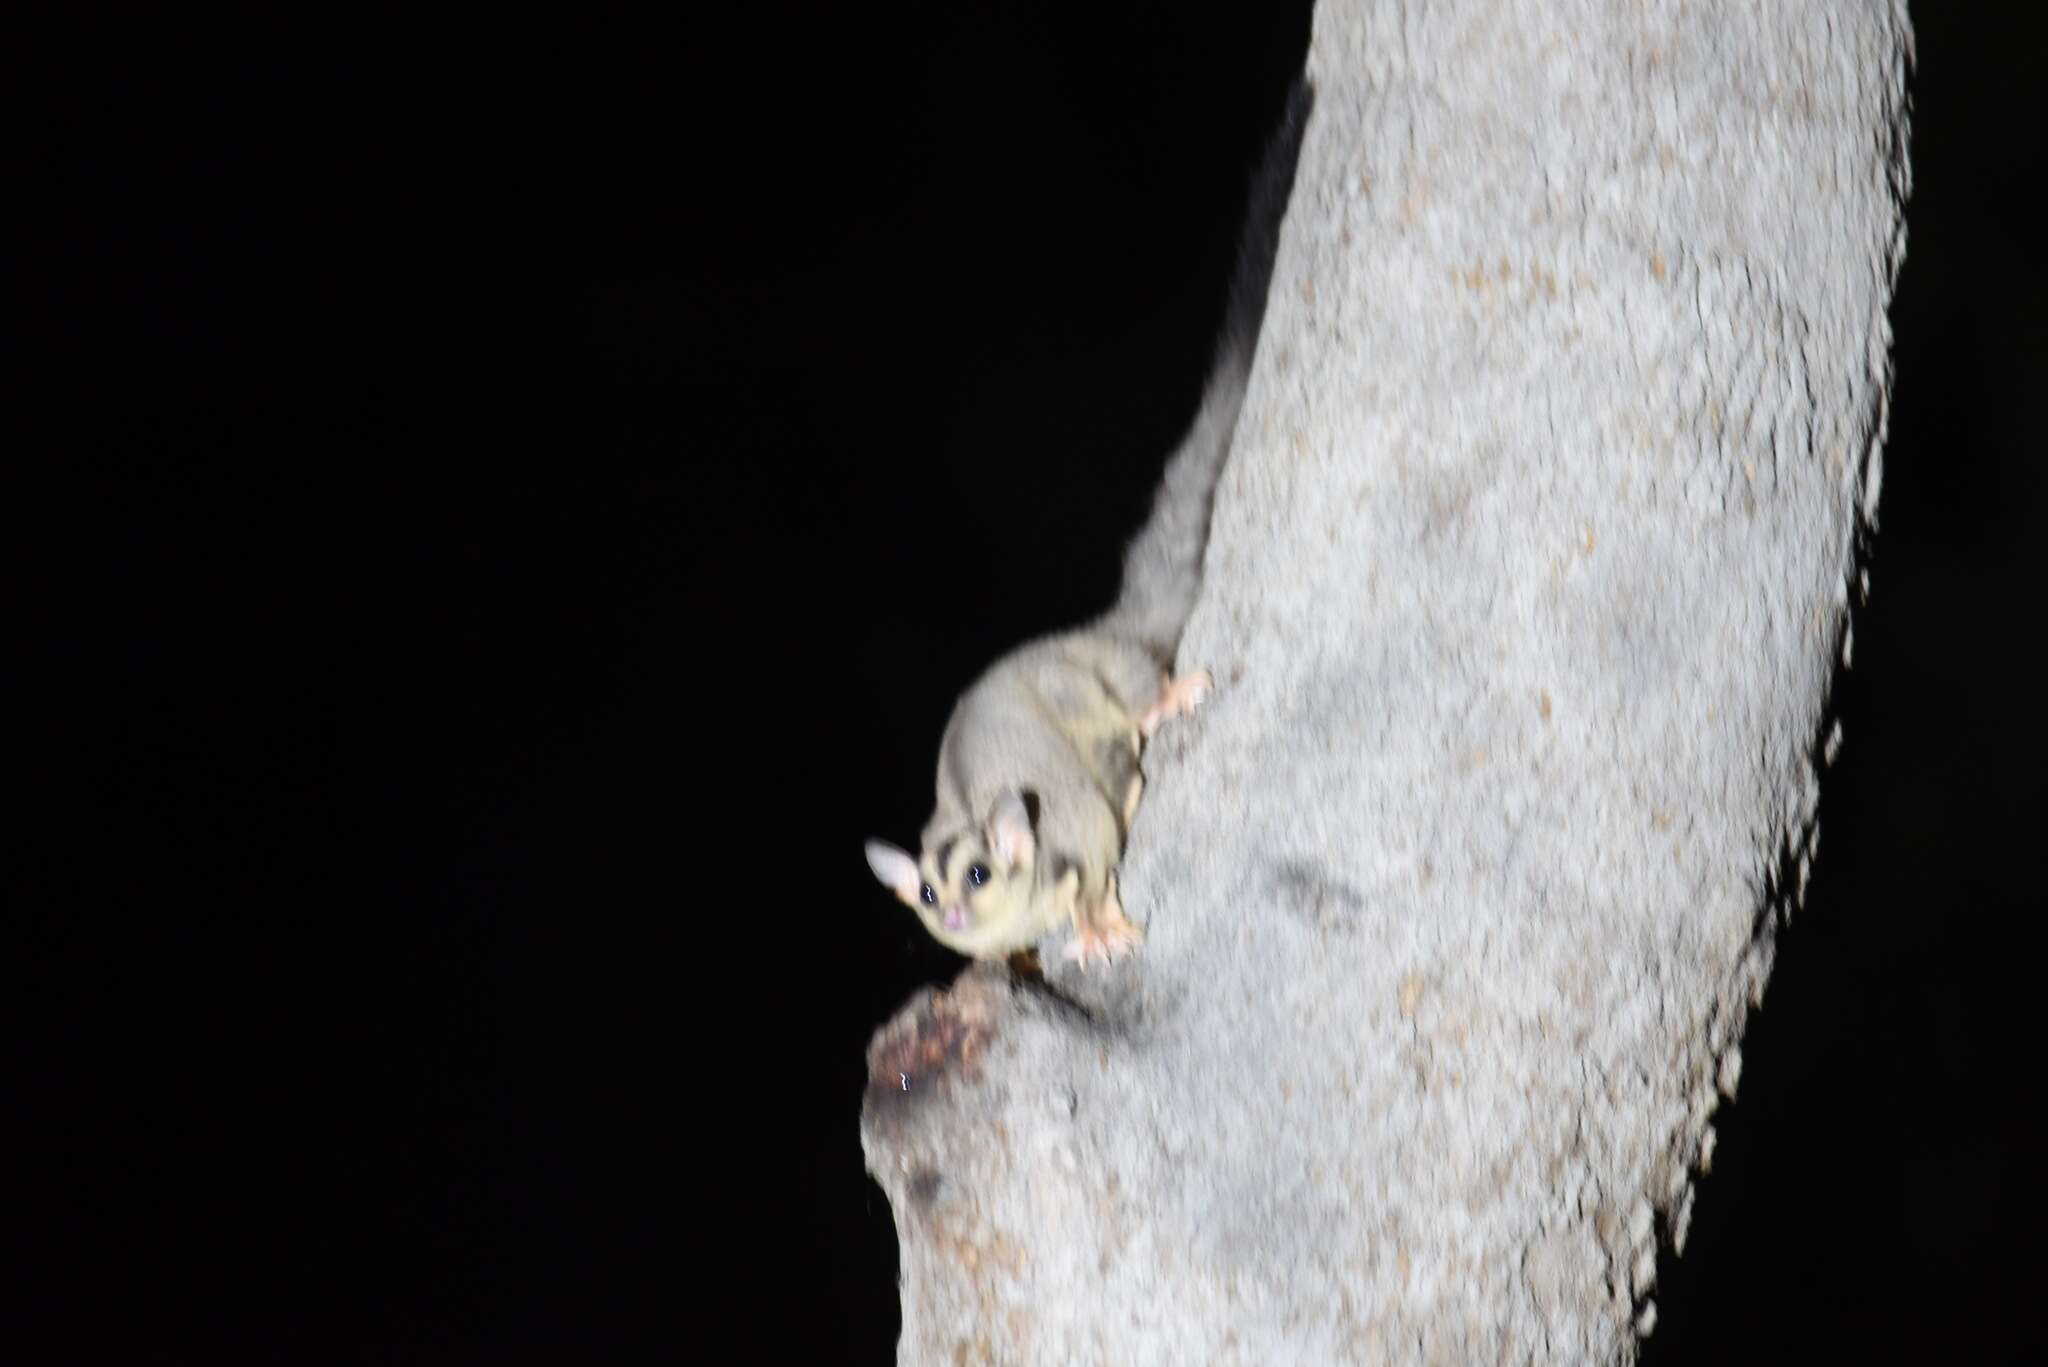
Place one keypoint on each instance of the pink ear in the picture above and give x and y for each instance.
(1009, 832)
(895, 870)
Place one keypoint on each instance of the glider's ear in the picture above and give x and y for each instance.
(1010, 837)
(895, 870)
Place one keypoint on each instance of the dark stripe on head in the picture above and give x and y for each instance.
(944, 853)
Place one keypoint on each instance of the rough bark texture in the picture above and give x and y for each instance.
(1527, 580)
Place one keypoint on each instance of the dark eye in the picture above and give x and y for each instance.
(977, 874)
(926, 895)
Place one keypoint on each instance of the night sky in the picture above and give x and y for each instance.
(515, 509)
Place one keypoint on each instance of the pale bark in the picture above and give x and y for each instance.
(1528, 578)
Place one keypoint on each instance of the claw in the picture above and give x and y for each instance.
(1107, 935)
(1177, 698)
(1108, 944)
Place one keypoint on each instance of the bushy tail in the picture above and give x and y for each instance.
(1163, 567)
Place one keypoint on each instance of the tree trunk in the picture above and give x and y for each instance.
(1528, 576)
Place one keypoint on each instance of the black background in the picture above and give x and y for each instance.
(506, 512)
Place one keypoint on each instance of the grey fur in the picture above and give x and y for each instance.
(1046, 720)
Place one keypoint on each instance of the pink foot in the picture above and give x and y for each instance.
(1177, 698)
(1106, 936)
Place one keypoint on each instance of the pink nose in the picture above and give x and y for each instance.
(956, 916)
